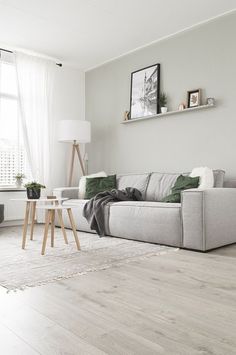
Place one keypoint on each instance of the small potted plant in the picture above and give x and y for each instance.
(163, 102)
(34, 190)
(19, 179)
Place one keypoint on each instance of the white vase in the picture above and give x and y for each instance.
(19, 183)
(163, 109)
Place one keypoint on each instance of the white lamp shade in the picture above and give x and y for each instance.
(74, 130)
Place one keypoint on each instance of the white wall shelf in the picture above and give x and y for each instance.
(202, 107)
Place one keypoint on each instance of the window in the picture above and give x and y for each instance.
(13, 158)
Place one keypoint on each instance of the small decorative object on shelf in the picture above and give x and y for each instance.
(163, 102)
(210, 101)
(194, 98)
(126, 115)
(34, 190)
(182, 106)
(19, 179)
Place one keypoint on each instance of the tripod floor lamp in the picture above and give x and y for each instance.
(75, 132)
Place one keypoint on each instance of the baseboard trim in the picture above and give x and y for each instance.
(12, 223)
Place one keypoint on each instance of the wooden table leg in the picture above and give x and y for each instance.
(73, 227)
(46, 232)
(52, 227)
(27, 210)
(59, 212)
(33, 210)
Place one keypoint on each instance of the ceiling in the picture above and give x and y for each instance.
(87, 33)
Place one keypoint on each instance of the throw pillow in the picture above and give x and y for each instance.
(182, 183)
(206, 177)
(82, 182)
(99, 184)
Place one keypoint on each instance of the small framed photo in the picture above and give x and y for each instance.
(194, 98)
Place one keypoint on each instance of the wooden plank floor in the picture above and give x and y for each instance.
(179, 303)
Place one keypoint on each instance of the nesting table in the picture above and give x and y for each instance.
(50, 219)
(50, 206)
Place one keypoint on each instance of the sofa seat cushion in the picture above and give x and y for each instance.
(138, 181)
(154, 222)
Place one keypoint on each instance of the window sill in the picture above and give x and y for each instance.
(11, 188)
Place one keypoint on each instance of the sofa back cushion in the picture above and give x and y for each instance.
(138, 181)
(160, 184)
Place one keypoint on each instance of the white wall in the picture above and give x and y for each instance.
(68, 103)
(13, 210)
(204, 57)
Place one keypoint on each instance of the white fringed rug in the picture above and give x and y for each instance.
(28, 268)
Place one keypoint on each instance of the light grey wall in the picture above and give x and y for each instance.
(204, 57)
(68, 103)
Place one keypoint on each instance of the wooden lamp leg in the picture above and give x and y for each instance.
(72, 164)
(80, 158)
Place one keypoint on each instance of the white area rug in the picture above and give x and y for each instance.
(27, 268)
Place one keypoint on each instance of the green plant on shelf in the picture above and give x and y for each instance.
(162, 99)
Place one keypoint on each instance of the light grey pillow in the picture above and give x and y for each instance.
(219, 176)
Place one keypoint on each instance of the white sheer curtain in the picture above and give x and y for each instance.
(35, 84)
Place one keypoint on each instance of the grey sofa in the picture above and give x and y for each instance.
(203, 220)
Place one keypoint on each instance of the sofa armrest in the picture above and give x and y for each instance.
(208, 217)
(67, 192)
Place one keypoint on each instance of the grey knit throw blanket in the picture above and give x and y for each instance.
(94, 209)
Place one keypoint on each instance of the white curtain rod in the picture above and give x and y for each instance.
(8, 51)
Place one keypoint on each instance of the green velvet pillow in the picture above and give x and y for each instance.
(182, 183)
(99, 184)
